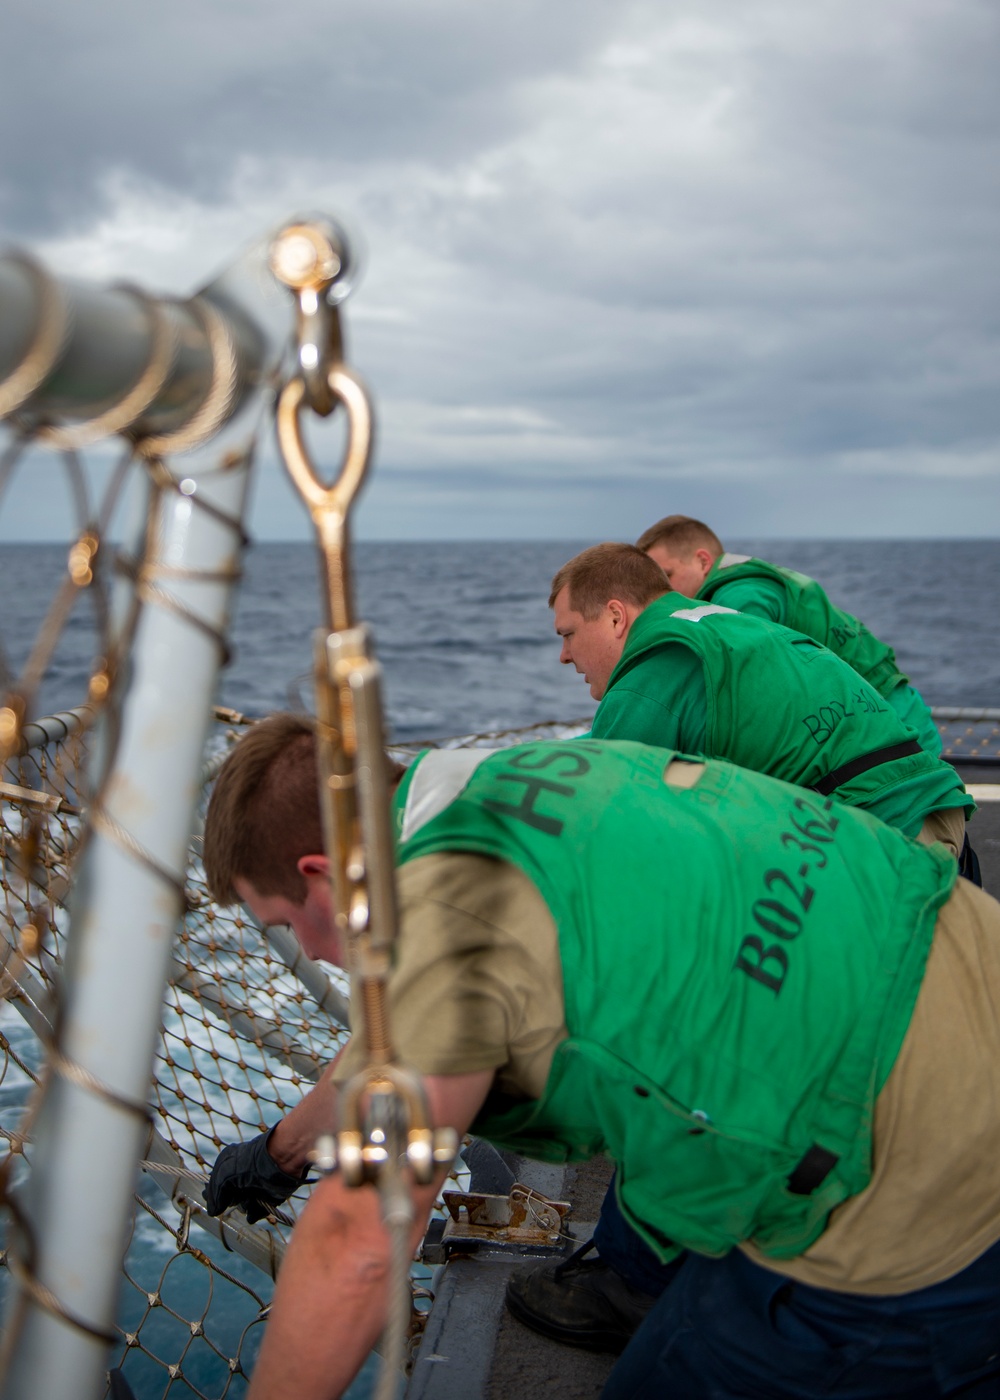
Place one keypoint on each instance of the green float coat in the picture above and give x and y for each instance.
(704, 679)
(740, 963)
(806, 609)
(797, 601)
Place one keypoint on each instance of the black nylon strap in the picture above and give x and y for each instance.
(968, 864)
(847, 771)
(812, 1171)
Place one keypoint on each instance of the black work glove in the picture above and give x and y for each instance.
(246, 1175)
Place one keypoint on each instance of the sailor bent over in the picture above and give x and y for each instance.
(696, 564)
(775, 1013)
(705, 679)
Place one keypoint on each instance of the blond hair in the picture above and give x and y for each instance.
(682, 535)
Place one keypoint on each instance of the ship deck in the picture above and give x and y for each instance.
(473, 1349)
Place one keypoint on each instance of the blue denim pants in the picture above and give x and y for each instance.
(726, 1329)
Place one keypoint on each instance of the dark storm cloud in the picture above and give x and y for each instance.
(177, 93)
(741, 247)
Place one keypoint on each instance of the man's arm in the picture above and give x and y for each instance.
(629, 714)
(757, 597)
(661, 700)
(330, 1303)
(294, 1136)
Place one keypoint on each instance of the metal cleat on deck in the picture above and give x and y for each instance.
(522, 1220)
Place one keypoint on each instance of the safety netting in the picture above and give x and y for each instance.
(243, 1038)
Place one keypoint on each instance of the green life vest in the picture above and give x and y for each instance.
(780, 703)
(810, 612)
(740, 963)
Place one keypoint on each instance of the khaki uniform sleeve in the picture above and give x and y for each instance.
(477, 982)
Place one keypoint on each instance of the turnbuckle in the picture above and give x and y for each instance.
(311, 258)
(390, 1134)
(383, 1113)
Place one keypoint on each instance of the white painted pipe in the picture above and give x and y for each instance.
(124, 913)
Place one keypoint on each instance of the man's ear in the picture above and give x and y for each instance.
(706, 559)
(312, 865)
(621, 617)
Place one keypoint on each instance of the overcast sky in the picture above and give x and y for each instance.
(736, 258)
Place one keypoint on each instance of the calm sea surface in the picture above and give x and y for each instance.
(466, 638)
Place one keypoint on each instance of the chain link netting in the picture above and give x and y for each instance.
(242, 1041)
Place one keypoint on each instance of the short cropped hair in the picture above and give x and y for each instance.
(682, 535)
(607, 571)
(264, 813)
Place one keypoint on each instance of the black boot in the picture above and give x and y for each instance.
(579, 1301)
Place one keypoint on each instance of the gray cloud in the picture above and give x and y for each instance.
(178, 93)
(621, 257)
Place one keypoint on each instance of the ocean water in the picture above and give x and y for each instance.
(465, 634)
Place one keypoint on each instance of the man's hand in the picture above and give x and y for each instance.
(245, 1174)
